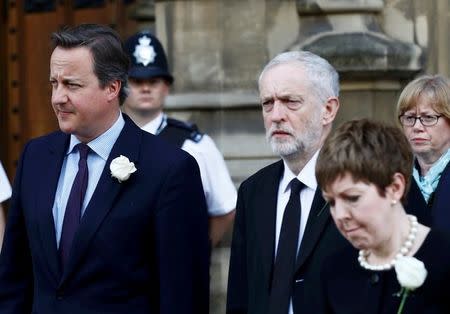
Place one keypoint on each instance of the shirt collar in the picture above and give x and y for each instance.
(154, 125)
(103, 144)
(307, 175)
(439, 165)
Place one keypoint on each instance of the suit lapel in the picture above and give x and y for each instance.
(317, 220)
(416, 204)
(267, 205)
(439, 210)
(105, 194)
(51, 163)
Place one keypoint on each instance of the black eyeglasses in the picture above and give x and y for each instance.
(426, 120)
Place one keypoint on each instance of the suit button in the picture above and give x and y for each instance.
(59, 294)
(374, 279)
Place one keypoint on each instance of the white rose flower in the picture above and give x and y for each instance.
(411, 272)
(121, 168)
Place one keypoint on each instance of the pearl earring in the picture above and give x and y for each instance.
(393, 202)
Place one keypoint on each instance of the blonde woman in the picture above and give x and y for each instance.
(423, 111)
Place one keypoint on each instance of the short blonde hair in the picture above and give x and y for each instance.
(435, 87)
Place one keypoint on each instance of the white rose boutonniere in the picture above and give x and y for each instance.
(411, 274)
(121, 168)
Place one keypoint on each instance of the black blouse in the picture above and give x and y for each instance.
(350, 289)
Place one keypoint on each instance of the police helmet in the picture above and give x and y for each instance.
(147, 57)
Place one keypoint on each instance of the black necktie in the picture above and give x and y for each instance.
(74, 205)
(284, 267)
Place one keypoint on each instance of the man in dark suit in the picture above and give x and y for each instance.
(283, 229)
(104, 217)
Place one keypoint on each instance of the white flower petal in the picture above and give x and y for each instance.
(411, 273)
(121, 168)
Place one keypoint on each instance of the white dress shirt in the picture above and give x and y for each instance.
(308, 177)
(96, 160)
(5, 187)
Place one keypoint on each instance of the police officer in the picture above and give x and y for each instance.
(149, 84)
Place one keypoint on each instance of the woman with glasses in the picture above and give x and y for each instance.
(423, 111)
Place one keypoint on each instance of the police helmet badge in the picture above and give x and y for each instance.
(144, 52)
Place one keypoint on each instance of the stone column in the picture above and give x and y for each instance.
(143, 13)
(358, 37)
(216, 50)
(348, 34)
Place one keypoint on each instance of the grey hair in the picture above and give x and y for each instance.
(322, 75)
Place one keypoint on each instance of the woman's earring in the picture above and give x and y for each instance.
(393, 203)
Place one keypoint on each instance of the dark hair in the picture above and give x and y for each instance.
(370, 151)
(109, 58)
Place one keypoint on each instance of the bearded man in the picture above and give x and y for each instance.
(283, 229)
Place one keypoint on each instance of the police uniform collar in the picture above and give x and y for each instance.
(156, 125)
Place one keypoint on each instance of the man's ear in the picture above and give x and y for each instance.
(113, 89)
(330, 110)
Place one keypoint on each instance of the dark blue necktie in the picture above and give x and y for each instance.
(284, 267)
(74, 205)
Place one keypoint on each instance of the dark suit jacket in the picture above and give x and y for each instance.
(436, 213)
(142, 246)
(252, 251)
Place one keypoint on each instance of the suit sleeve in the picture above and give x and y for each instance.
(181, 226)
(237, 297)
(15, 259)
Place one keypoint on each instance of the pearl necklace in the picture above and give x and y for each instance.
(404, 249)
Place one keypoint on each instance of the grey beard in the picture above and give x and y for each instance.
(286, 149)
